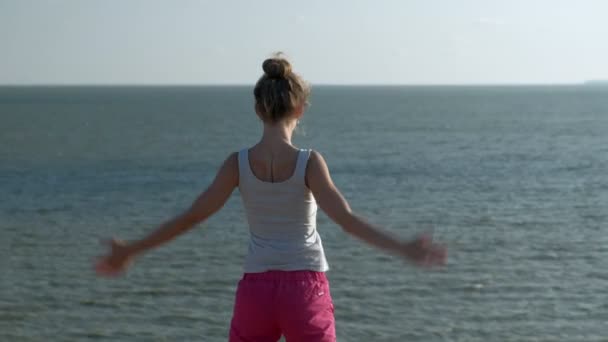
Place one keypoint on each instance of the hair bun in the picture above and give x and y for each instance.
(276, 67)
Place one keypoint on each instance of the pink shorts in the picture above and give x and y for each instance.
(296, 304)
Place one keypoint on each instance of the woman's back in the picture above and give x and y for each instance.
(273, 164)
(281, 216)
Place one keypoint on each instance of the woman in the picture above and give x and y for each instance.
(284, 290)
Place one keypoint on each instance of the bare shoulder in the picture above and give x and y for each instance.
(229, 171)
(315, 162)
(316, 168)
(315, 155)
(233, 159)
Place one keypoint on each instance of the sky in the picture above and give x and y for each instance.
(329, 42)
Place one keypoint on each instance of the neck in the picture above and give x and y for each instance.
(279, 133)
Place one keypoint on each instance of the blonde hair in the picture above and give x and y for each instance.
(279, 91)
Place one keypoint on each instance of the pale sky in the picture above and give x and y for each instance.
(329, 42)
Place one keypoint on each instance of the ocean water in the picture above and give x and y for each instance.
(513, 179)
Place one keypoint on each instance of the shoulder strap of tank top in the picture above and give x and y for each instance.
(243, 163)
(303, 156)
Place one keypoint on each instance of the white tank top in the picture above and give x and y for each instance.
(282, 221)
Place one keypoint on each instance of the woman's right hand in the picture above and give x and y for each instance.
(423, 252)
(116, 262)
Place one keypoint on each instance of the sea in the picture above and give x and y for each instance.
(513, 179)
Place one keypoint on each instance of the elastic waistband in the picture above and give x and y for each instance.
(287, 275)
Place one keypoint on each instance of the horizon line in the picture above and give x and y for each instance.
(522, 84)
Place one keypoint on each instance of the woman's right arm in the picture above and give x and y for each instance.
(330, 200)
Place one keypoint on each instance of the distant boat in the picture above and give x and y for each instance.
(597, 83)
